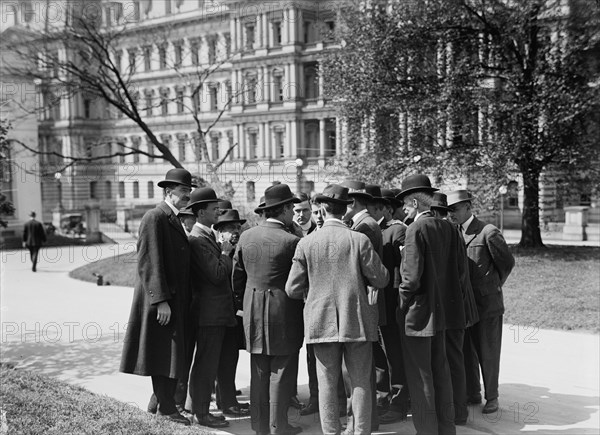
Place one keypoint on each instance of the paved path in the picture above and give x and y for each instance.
(73, 331)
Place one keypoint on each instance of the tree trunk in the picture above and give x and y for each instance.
(530, 223)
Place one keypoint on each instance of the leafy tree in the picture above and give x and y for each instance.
(6, 207)
(480, 88)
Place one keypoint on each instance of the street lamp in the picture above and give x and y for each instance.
(57, 176)
(299, 164)
(503, 189)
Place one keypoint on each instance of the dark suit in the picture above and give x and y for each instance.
(430, 299)
(212, 313)
(273, 323)
(490, 263)
(163, 274)
(34, 237)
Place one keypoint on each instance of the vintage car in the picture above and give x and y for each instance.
(72, 224)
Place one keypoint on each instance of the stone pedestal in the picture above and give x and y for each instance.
(576, 219)
(122, 215)
(92, 221)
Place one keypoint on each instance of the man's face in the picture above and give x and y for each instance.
(179, 196)
(410, 207)
(211, 214)
(230, 232)
(317, 215)
(288, 214)
(459, 213)
(302, 213)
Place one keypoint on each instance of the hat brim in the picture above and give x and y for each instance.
(440, 207)
(277, 204)
(364, 195)
(204, 201)
(416, 189)
(461, 200)
(233, 221)
(165, 183)
(323, 198)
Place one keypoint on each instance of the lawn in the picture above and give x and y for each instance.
(33, 404)
(557, 287)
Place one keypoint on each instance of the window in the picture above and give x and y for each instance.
(162, 57)
(86, 108)
(585, 199)
(195, 48)
(512, 195)
(135, 145)
(107, 189)
(276, 29)
(136, 189)
(277, 86)
(309, 36)
(228, 93)
(93, 190)
(230, 143)
(252, 144)
(311, 81)
(250, 89)
(118, 60)
(148, 103)
(132, 60)
(330, 138)
(279, 143)
(147, 58)
(122, 150)
(179, 100)
(212, 49)
(214, 145)
(249, 33)
(164, 102)
(181, 148)
(167, 7)
(214, 92)
(311, 139)
(178, 54)
(250, 191)
(150, 190)
(329, 29)
(150, 147)
(196, 100)
(121, 189)
(227, 37)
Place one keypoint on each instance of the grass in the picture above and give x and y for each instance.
(34, 404)
(557, 287)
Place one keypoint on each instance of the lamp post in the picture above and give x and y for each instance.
(57, 176)
(503, 189)
(299, 164)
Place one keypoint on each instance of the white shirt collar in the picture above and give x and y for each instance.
(172, 207)
(277, 221)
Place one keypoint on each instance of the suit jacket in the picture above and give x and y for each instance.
(163, 274)
(33, 233)
(490, 263)
(368, 226)
(261, 265)
(212, 296)
(393, 234)
(431, 295)
(331, 270)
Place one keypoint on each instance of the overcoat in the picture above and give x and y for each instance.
(33, 233)
(331, 270)
(261, 265)
(393, 234)
(431, 292)
(368, 226)
(212, 297)
(490, 263)
(163, 274)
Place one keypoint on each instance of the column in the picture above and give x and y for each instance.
(236, 151)
(265, 27)
(239, 35)
(293, 81)
(292, 25)
(268, 150)
(233, 34)
(261, 138)
(294, 138)
(288, 140)
(242, 141)
(266, 91)
(322, 137)
(321, 87)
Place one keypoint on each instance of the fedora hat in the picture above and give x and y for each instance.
(457, 196)
(225, 205)
(261, 203)
(185, 212)
(334, 193)
(202, 195)
(357, 188)
(390, 195)
(277, 195)
(375, 191)
(415, 183)
(177, 176)
(229, 216)
(439, 201)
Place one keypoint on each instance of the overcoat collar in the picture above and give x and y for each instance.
(173, 220)
(361, 218)
(334, 223)
(198, 231)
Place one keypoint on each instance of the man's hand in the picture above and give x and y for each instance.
(227, 248)
(163, 313)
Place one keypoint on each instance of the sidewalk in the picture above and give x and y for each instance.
(73, 330)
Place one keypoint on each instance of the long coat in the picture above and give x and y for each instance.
(163, 274)
(212, 297)
(431, 292)
(33, 233)
(261, 265)
(368, 226)
(490, 263)
(393, 233)
(331, 270)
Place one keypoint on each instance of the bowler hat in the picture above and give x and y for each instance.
(357, 188)
(177, 176)
(390, 195)
(227, 217)
(334, 193)
(225, 204)
(203, 195)
(415, 183)
(375, 191)
(32, 214)
(277, 195)
(185, 212)
(457, 196)
(439, 201)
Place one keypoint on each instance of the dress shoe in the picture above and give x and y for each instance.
(295, 403)
(175, 418)
(490, 407)
(244, 405)
(392, 417)
(475, 399)
(210, 420)
(236, 411)
(311, 408)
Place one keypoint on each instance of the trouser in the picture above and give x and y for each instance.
(358, 360)
(164, 390)
(430, 385)
(228, 360)
(33, 252)
(209, 341)
(482, 346)
(272, 379)
(313, 384)
(454, 353)
(400, 397)
(350, 399)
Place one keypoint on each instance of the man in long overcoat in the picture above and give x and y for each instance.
(331, 271)
(34, 237)
(272, 321)
(155, 341)
(490, 264)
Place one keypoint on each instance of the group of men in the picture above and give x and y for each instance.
(396, 292)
